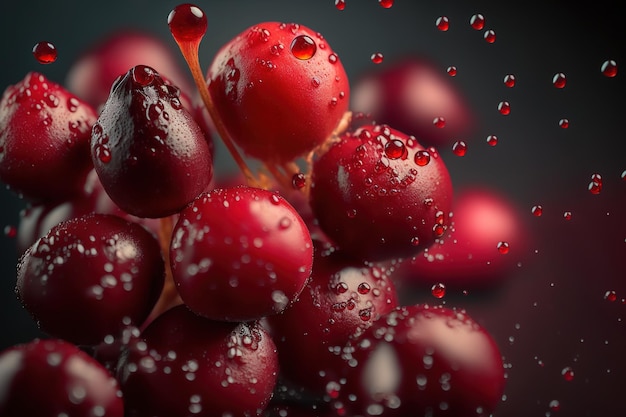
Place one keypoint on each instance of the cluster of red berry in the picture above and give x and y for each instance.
(168, 292)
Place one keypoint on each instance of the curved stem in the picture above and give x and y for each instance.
(190, 53)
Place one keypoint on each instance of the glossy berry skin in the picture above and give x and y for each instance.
(150, 155)
(44, 139)
(468, 256)
(52, 378)
(410, 94)
(275, 105)
(90, 277)
(423, 360)
(373, 200)
(185, 364)
(343, 297)
(94, 72)
(240, 253)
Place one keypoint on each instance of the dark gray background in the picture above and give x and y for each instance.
(552, 308)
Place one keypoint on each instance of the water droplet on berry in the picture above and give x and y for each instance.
(103, 153)
(377, 58)
(364, 288)
(303, 47)
(143, 75)
(477, 21)
(443, 23)
(421, 158)
(564, 123)
(45, 52)
(452, 71)
(490, 36)
(395, 149)
(609, 68)
(332, 58)
(187, 22)
(385, 3)
(72, 104)
(559, 80)
(341, 288)
(459, 148)
(509, 80)
(504, 107)
(492, 140)
(503, 247)
(438, 290)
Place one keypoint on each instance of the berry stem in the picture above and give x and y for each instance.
(190, 53)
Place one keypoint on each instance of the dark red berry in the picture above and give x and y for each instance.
(94, 72)
(149, 153)
(52, 378)
(372, 199)
(421, 360)
(44, 139)
(185, 364)
(279, 90)
(240, 253)
(90, 277)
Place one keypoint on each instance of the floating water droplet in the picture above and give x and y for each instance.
(595, 187)
(503, 247)
(377, 58)
(438, 290)
(303, 47)
(10, 231)
(509, 80)
(492, 140)
(477, 21)
(537, 211)
(567, 215)
(45, 52)
(439, 122)
(559, 80)
(610, 296)
(340, 4)
(386, 3)
(421, 158)
(298, 181)
(490, 36)
(452, 71)
(554, 405)
(442, 23)
(504, 107)
(564, 123)
(609, 68)
(568, 373)
(459, 148)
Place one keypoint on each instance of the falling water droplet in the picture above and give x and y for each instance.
(477, 21)
(564, 123)
(509, 80)
(490, 36)
(442, 23)
(503, 247)
(340, 4)
(439, 122)
(377, 58)
(187, 23)
(492, 140)
(609, 68)
(438, 290)
(568, 373)
(610, 296)
(386, 3)
(537, 211)
(459, 148)
(451, 71)
(504, 107)
(559, 80)
(45, 52)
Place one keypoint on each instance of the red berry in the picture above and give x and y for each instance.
(93, 74)
(240, 253)
(150, 155)
(90, 277)
(188, 365)
(373, 200)
(421, 360)
(409, 94)
(342, 298)
(469, 256)
(51, 378)
(44, 139)
(279, 90)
